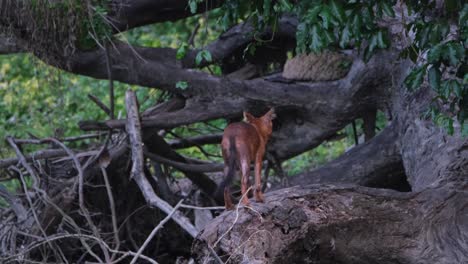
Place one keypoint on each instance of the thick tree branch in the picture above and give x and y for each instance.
(383, 167)
(331, 104)
(422, 142)
(127, 14)
(333, 224)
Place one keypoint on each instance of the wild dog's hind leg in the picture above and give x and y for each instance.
(227, 194)
(245, 171)
(258, 177)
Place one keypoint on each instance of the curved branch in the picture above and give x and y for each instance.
(383, 166)
(308, 113)
(239, 36)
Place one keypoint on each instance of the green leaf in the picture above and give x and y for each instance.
(182, 51)
(207, 56)
(382, 41)
(182, 85)
(316, 41)
(198, 58)
(463, 16)
(345, 36)
(312, 14)
(356, 25)
(266, 9)
(328, 37)
(434, 53)
(464, 130)
(337, 11)
(301, 38)
(444, 29)
(434, 76)
(414, 80)
(445, 91)
(203, 55)
(455, 87)
(373, 43)
(410, 52)
(288, 7)
(453, 53)
(448, 124)
(422, 35)
(388, 9)
(368, 53)
(326, 16)
(367, 17)
(193, 6)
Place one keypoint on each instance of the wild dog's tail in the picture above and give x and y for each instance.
(231, 171)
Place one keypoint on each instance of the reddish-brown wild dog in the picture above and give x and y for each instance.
(244, 142)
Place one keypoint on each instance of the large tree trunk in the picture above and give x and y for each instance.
(332, 223)
(343, 224)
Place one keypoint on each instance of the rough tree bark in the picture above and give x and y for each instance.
(349, 224)
(339, 213)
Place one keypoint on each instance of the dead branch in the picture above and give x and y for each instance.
(195, 141)
(15, 204)
(112, 209)
(81, 137)
(133, 128)
(212, 167)
(24, 162)
(39, 243)
(44, 154)
(82, 206)
(155, 230)
(101, 105)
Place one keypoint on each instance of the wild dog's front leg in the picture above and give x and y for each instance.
(258, 177)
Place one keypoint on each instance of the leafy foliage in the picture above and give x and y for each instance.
(322, 24)
(441, 54)
(438, 47)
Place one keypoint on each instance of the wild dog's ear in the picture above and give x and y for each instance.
(270, 114)
(248, 117)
